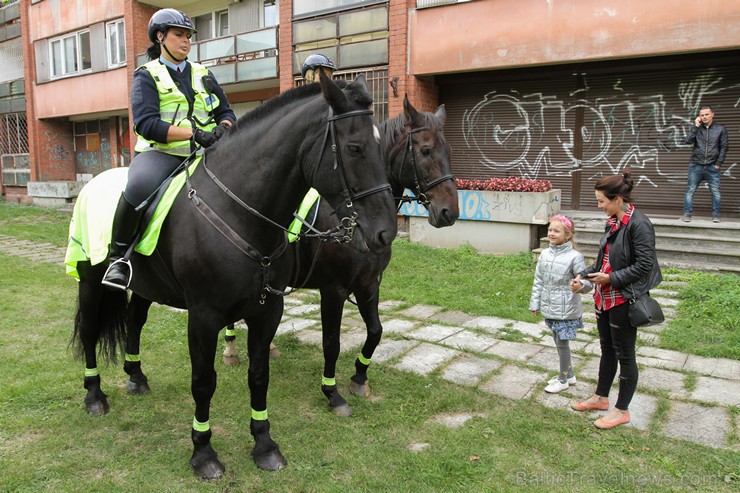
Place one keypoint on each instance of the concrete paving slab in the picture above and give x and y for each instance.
(717, 390)
(659, 379)
(292, 301)
(468, 369)
(434, 333)
(705, 425)
(647, 338)
(489, 324)
(351, 340)
(662, 292)
(659, 363)
(548, 358)
(389, 306)
(469, 341)
(715, 367)
(454, 420)
(554, 401)
(397, 326)
(425, 358)
(514, 382)
(517, 351)
(452, 317)
(592, 348)
(536, 331)
(663, 301)
(589, 371)
(309, 336)
(296, 324)
(389, 349)
(642, 409)
(301, 310)
(420, 311)
(664, 354)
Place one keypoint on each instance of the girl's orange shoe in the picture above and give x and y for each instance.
(605, 425)
(582, 406)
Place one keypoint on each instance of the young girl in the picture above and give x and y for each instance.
(557, 266)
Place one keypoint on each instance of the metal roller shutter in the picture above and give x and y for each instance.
(574, 124)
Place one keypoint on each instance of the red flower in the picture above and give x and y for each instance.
(508, 184)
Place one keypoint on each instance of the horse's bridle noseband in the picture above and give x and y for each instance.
(420, 190)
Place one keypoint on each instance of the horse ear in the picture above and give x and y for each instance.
(332, 93)
(441, 114)
(413, 119)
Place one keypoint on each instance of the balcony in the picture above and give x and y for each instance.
(249, 57)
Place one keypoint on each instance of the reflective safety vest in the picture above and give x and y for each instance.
(174, 107)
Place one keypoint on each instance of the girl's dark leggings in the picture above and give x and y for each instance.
(617, 339)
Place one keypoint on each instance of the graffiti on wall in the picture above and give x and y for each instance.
(532, 135)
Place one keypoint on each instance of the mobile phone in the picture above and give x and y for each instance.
(593, 274)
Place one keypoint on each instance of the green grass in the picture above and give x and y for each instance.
(34, 223)
(48, 443)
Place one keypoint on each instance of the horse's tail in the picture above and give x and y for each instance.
(104, 324)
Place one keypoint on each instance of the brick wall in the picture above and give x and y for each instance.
(422, 92)
(286, 46)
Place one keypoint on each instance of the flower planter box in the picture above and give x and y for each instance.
(490, 221)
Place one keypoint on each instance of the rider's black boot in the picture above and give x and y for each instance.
(125, 226)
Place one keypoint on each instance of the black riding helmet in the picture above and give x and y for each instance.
(315, 61)
(167, 18)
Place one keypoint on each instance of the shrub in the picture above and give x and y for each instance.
(509, 184)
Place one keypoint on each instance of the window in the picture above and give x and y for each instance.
(271, 13)
(70, 54)
(302, 7)
(212, 25)
(116, 40)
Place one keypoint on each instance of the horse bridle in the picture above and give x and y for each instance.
(346, 223)
(419, 190)
(340, 234)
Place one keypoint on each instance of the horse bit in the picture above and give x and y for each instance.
(419, 192)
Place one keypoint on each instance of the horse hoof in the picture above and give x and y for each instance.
(232, 360)
(363, 390)
(97, 408)
(209, 470)
(137, 389)
(271, 461)
(275, 352)
(343, 410)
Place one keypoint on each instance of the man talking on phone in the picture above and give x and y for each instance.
(710, 148)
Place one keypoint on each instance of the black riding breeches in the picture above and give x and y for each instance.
(147, 172)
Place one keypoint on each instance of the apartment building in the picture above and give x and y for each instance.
(564, 90)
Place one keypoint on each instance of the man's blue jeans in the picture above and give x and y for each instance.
(697, 174)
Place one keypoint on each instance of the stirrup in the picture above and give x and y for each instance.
(127, 263)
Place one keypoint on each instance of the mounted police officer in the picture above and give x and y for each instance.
(314, 63)
(177, 106)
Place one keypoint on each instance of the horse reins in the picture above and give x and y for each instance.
(420, 191)
(340, 234)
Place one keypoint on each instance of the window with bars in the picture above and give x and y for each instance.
(13, 134)
(377, 84)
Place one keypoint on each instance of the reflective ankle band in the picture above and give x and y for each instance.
(328, 381)
(198, 426)
(259, 415)
(91, 372)
(230, 332)
(134, 358)
(365, 361)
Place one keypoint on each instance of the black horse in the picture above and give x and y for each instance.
(418, 159)
(221, 254)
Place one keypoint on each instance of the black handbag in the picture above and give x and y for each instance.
(644, 310)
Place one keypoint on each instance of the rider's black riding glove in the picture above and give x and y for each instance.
(221, 129)
(205, 139)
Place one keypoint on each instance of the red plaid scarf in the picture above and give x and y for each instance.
(605, 296)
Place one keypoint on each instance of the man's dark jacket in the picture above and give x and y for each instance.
(710, 144)
(632, 255)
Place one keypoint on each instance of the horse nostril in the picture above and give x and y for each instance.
(385, 238)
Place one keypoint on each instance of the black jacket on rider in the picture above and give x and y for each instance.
(710, 144)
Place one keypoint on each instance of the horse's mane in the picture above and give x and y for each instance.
(296, 94)
(396, 126)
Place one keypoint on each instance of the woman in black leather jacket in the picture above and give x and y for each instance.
(626, 267)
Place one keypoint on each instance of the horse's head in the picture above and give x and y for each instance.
(420, 161)
(350, 173)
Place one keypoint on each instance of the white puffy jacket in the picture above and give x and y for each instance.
(551, 294)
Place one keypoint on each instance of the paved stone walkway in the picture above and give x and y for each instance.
(515, 359)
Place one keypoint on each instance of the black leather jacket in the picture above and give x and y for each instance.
(632, 255)
(710, 144)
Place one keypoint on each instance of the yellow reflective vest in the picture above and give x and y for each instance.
(174, 107)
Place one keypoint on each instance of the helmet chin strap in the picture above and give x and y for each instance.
(161, 42)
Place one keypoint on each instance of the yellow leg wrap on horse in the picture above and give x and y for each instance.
(133, 357)
(259, 415)
(230, 332)
(328, 381)
(91, 372)
(363, 360)
(198, 426)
